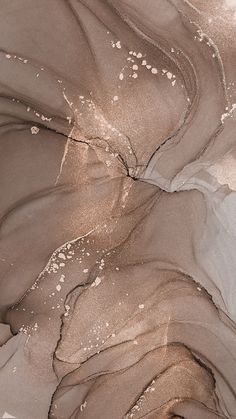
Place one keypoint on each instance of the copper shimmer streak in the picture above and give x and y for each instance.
(118, 197)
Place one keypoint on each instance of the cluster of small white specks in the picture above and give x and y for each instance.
(62, 278)
(45, 118)
(23, 60)
(137, 407)
(25, 329)
(67, 307)
(87, 105)
(57, 261)
(170, 76)
(116, 44)
(150, 388)
(102, 264)
(35, 327)
(54, 267)
(97, 336)
(204, 37)
(200, 36)
(34, 130)
(41, 116)
(144, 63)
(59, 258)
(228, 112)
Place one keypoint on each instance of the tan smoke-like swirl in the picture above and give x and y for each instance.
(117, 140)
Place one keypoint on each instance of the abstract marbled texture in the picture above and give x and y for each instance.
(118, 209)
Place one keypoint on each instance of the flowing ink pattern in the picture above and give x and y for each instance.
(118, 209)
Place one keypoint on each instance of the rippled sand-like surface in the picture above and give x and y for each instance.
(118, 209)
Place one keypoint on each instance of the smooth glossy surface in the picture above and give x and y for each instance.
(118, 220)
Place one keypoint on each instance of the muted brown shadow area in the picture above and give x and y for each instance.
(115, 299)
